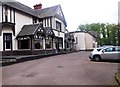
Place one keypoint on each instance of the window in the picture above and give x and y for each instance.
(34, 20)
(24, 44)
(7, 38)
(6, 14)
(117, 48)
(110, 49)
(48, 42)
(76, 40)
(58, 26)
(61, 43)
(39, 45)
(41, 20)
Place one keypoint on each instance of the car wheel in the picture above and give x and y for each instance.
(97, 58)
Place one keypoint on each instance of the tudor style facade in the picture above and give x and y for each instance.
(24, 30)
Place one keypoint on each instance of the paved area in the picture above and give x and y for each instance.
(67, 69)
(0, 76)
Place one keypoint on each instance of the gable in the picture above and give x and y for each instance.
(49, 31)
(47, 12)
(59, 14)
(54, 11)
(40, 31)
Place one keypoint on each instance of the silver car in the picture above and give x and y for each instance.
(107, 52)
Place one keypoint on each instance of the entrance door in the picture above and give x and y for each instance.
(7, 41)
(57, 46)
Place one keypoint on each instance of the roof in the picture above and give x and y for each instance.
(52, 11)
(20, 7)
(28, 30)
(46, 12)
(93, 33)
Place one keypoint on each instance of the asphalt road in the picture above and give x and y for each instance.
(67, 69)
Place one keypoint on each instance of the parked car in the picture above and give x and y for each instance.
(105, 52)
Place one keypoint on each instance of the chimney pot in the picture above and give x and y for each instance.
(38, 6)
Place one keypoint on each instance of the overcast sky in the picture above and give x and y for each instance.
(78, 12)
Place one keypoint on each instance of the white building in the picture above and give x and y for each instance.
(24, 30)
(84, 40)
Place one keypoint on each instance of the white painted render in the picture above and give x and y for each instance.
(1, 43)
(84, 41)
(43, 43)
(0, 13)
(80, 44)
(89, 41)
(21, 19)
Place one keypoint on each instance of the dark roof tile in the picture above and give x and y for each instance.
(47, 12)
(28, 30)
(21, 7)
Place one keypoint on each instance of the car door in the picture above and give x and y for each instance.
(117, 53)
(109, 53)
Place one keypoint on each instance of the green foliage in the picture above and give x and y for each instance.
(107, 32)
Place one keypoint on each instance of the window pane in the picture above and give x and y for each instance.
(8, 38)
(8, 45)
(24, 44)
(39, 45)
(49, 43)
(58, 25)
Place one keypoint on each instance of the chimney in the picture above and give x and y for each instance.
(38, 6)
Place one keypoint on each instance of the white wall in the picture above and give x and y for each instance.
(63, 35)
(20, 19)
(81, 41)
(85, 41)
(1, 43)
(89, 41)
(0, 13)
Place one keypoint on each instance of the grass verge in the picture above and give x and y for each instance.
(117, 76)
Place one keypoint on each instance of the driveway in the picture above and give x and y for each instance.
(67, 69)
